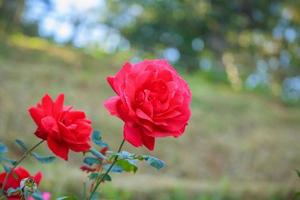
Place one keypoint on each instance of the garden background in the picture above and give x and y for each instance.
(241, 59)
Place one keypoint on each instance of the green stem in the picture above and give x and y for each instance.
(26, 153)
(107, 171)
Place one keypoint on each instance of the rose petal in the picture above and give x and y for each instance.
(111, 105)
(58, 105)
(80, 147)
(110, 80)
(71, 116)
(41, 134)
(49, 124)
(58, 148)
(47, 104)
(143, 115)
(83, 129)
(148, 141)
(36, 114)
(66, 134)
(38, 177)
(132, 135)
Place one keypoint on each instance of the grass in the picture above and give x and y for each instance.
(238, 145)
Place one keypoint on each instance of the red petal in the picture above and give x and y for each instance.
(58, 148)
(143, 115)
(79, 147)
(142, 78)
(148, 142)
(2, 177)
(58, 105)
(41, 134)
(36, 114)
(87, 169)
(117, 81)
(66, 134)
(47, 104)
(104, 150)
(74, 115)
(165, 75)
(38, 177)
(49, 124)
(169, 114)
(111, 105)
(132, 135)
(110, 80)
(84, 131)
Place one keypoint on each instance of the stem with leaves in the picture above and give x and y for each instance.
(98, 181)
(26, 153)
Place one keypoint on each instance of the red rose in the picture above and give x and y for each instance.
(63, 128)
(152, 99)
(15, 178)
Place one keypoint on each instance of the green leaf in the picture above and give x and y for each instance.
(21, 144)
(106, 177)
(66, 198)
(140, 157)
(97, 139)
(93, 176)
(298, 172)
(97, 154)
(3, 148)
(91, 160)
(125, 155)
(115, 168)
(154, 162)
(127, 165)
(43, 159)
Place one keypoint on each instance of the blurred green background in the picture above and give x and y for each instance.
(241, 59)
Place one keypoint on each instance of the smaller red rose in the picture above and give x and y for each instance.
(14, 180)
(64, 129)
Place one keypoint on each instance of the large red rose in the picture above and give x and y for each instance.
(63, 128)
(15, 178)
(152, 99)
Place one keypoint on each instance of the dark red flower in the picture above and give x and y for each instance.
(104, 150)
(88, 169)
(152, 99)
(15, 178)
(63, 128)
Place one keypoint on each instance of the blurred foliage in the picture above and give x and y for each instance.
(248, 40)
(10, 14)
(252, 44)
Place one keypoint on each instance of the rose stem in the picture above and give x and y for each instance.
(107, 171)
(26, 153)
